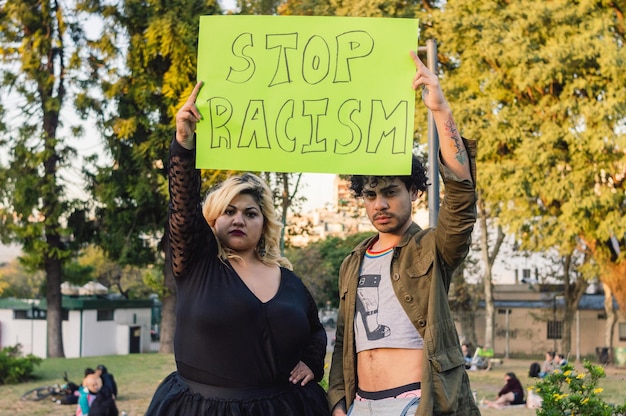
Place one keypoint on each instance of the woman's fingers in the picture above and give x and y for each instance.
(191, 101)
(194, 94)
(301, 373)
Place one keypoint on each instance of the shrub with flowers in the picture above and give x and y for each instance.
(567, 392)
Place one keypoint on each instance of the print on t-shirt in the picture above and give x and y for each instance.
(367, 303)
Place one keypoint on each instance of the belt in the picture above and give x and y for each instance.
(226, 393)
(389, 393)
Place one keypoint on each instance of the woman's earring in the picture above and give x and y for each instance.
(261, 247)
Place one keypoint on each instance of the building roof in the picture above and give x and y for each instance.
(587, 302)
(77, 303)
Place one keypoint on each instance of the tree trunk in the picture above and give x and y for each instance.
(285, 202)
(613, 277)
(168, 309)
(572, 293)
(612, 274)
(52, 254)
(611, 318)
(54, 317)
(571, 307)
(463, 301)
(168, 324)
(487, 261)
(468, 327)
(490, 313)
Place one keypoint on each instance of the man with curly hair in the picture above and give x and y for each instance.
(397, 351)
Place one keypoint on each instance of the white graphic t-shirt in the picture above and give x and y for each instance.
(380, 321)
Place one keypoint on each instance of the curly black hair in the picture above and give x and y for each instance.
(418, 179)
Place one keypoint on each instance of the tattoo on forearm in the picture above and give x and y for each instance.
(456, 142)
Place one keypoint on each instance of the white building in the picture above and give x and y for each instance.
(92, 325)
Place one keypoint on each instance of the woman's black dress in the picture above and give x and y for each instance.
(233, 352)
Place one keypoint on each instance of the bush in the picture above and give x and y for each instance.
(567, 392)
(14, 368)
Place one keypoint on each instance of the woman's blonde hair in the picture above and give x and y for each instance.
(218, 200)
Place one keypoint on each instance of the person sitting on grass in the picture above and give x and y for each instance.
(534, 370)
(91, 386)
(467, 355)
(560, 360)
(107, 379)
(548, 365)
(511, 393)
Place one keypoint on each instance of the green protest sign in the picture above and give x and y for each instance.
(306, 94)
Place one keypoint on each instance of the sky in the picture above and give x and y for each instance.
(8, 253)
(318, 189)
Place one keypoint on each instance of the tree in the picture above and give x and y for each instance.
(318, 265)
(488, 251)
(17, 282)
(41, 45)
(541, 85)
(574, 287)
(129, 281)
(464, 298)
(611, 316)
(263, 7)
(314, 271)
(160, 71)
(377, 8)
(285, 187)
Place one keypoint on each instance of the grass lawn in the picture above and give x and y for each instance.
(138, 375)
(488, 383)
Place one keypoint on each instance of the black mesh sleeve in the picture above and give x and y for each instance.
(187, 228)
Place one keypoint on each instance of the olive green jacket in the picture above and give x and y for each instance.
(421, 271)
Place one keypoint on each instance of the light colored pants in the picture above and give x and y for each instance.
(385, 407)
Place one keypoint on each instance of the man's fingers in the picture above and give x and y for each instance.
(418, 62)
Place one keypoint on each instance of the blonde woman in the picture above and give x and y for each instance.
(248, 337)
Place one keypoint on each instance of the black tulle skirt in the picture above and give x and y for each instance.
(176, 396)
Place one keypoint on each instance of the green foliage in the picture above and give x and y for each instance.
(540, 85)
(318, 264)
(153, 279)
(533, 75)
(77, 273)
(567, 392)
(15, 368)
(335, 249)
(143, 96)
(129, 281)
(38, 79)
(149, 80)
(263, 7)
(377, 8)
(18, 282)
